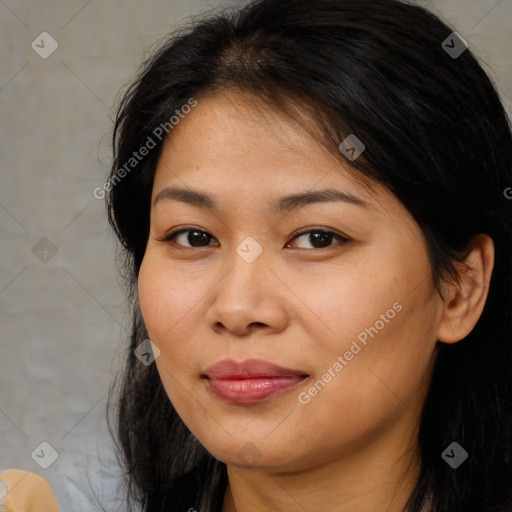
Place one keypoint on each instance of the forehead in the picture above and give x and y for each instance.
(237, 145)
(235, 128)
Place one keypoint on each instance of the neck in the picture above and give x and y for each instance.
(381, 477)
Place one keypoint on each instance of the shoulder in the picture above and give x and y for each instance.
(24, 491)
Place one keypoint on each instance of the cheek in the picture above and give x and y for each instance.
(348, 299)
(382, 322)
(167, 299)
(383, 381)
(385, 358)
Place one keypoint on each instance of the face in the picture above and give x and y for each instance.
(320, 310)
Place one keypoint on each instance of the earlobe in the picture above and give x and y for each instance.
(465, 300)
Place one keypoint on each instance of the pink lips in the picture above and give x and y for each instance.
(250, 381)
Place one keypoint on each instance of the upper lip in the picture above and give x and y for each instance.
(251, 368)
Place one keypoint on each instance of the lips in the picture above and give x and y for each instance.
(250, 381)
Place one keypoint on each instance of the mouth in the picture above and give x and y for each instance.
(250, 381)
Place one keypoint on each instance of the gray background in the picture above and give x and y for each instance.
(63, 318)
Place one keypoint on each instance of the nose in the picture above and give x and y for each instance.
(248, 299)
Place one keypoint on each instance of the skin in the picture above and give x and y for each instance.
(300, 306)
(25, 491)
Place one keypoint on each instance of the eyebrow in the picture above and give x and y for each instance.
(283, 204)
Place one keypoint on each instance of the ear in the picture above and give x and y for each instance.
(465, 300)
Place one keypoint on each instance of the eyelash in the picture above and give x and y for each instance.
(169, 238)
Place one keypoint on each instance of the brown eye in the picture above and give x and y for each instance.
(320, 239)
(192, 237)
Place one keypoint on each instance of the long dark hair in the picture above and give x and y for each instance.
(436, 135)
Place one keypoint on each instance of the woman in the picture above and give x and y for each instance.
(310, 197)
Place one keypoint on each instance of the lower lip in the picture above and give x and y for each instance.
(253, 390)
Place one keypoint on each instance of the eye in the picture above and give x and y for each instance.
(320, 238)
(194, 237)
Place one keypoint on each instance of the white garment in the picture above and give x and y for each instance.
(91, 481)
